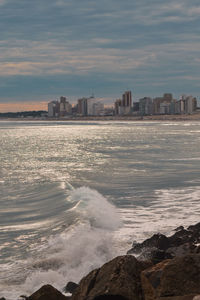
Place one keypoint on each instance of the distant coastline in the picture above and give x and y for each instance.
(184, 117)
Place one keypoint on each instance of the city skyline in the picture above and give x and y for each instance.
(110, 103)
(76, 48)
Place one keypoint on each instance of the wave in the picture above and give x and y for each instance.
(92, 232)
(84, 245)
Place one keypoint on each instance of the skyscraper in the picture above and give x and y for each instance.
(124, 106)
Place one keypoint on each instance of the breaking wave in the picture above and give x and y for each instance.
(86, 244)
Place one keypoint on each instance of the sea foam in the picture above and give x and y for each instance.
(81, 247)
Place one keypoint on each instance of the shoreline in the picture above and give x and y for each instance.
(150, 270)
(192, 117)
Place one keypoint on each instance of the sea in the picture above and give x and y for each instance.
(75, 194)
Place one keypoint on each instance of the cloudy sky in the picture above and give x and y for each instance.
(74, 48)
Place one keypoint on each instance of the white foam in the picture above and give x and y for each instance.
(93, 207)
(85, 245)
(171, 208)
(98, 235)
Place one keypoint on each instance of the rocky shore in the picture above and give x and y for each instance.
(160, 268)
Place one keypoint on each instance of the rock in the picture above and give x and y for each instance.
(179, 228)
(172, 278)
(181, 237)
(117, 279)
(160, 247)
(48, 292)
(109, 297)
(159, 255)
(70, 287)
(197, 250)
(154, 255)
(187, 297)
(2, 298)
(159, 241)
(182, 250)
(194, 228)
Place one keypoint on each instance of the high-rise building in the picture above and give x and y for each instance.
(165, 108)
(146, 106)
(167, 97)
(161, 105)
(90, 104)
(127, 99)
(98, 108)
(82, 106)
(118, 104)
(65, 107)
(136, 107)
(53, 109)
(124, 106)
(90, 107)
(190, 104)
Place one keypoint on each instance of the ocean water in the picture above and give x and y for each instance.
(73, 195)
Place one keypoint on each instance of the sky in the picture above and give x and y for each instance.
(77, 48)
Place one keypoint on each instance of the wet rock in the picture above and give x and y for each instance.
(181, 237)
(154, 255)
(184, 249)
(179, 228)
(195, 231)
(117, 279)
(194, 228)
(110, 297)
(70, 287)
(159, 255)
(48, 292)
(172, 278)
(197, 250)
(160, 247)
(187, 297)
(159, 241)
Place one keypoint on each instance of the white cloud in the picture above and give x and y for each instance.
(46, 58)
(34, 58)
(173, 11)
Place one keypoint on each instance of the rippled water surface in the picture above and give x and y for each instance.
(75, 194)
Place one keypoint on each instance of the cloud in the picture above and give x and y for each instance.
(107, 44)
(37, 58)
(46, 58)
(2, 2)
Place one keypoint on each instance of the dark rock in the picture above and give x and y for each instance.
(181, 237)
(2, 298)
(70, 287)
(48, 292)
(159, 255)
(154, 255)
(194, 228)
(159, 241)
(187, 297)
(160, 247)
(184, 249)
(179, 228)
(197, 250)
(117, 279)
(172, 278)
(24, 297)
(109, 297)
